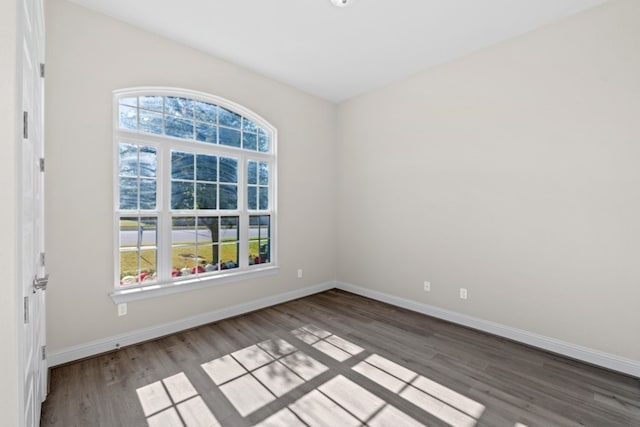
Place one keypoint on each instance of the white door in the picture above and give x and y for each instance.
(31, 224)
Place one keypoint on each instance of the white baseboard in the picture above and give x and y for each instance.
(585, 354)
(134, 337)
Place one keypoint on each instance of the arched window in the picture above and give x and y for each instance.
(194, 190)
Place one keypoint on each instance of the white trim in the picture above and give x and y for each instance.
(584, 354)
(93, 348)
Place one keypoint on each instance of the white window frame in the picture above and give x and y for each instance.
(165, 285)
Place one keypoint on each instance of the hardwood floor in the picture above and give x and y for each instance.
(337, 359)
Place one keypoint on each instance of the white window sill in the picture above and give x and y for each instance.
(188, 284)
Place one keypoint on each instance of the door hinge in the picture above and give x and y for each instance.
(25, 124)
(41, 164)
(44, 352)
(42, 70)
(26, 310)
(42, 259)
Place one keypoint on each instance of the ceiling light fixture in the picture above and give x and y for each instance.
(341, 3)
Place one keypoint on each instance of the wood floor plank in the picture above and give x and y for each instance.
(430, 371)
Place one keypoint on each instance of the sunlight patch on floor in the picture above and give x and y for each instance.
(174, 402)
(326, 342)
(340, 402)
(305, 366)
(246, 394)
(259, 375)
(434, 398)
(355, 399)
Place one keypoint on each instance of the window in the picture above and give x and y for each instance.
(194, 190)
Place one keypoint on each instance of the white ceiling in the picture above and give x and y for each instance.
(337, 53)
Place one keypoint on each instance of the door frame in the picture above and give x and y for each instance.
(10, 310)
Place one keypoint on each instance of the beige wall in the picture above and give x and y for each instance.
(88, 56)
(9, 389)
(512, 172)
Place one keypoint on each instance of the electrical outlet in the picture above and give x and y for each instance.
(427, 286)
(122, 309)
(299, 273)
(463, 293)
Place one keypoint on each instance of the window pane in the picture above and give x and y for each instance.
(128, 117)
(259, 239)
(228, 118)
(252, 198)
(264, 173)
(128, 193)
(182, 231)
(206, 196)
(229, 246)
(183, 246)
(209, 254)
(147, 240)
(252, 173)
(265, 251)
(194, 245)
(138, 250)
(128, 249)
(209, 236)
(228, 256)
(180, 128)
(133, 102)
(147, 228)
(150, 122)
(263, 141)
(248, 125)
(206, 133)
(265, 226)
(206, 112)
(181, 195)
(229, 137)
(148, 161)
(228, 169)
(209, 229)
(148, 265)
(228, 196)
(181, 107)
(186, 261)
(182, 165)
(128, 160)
(249, 141)
(137, 161)
(205, 229)
(264, 198)
(153, 103)
(128, 266)
(207, 168)
(147, 193)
